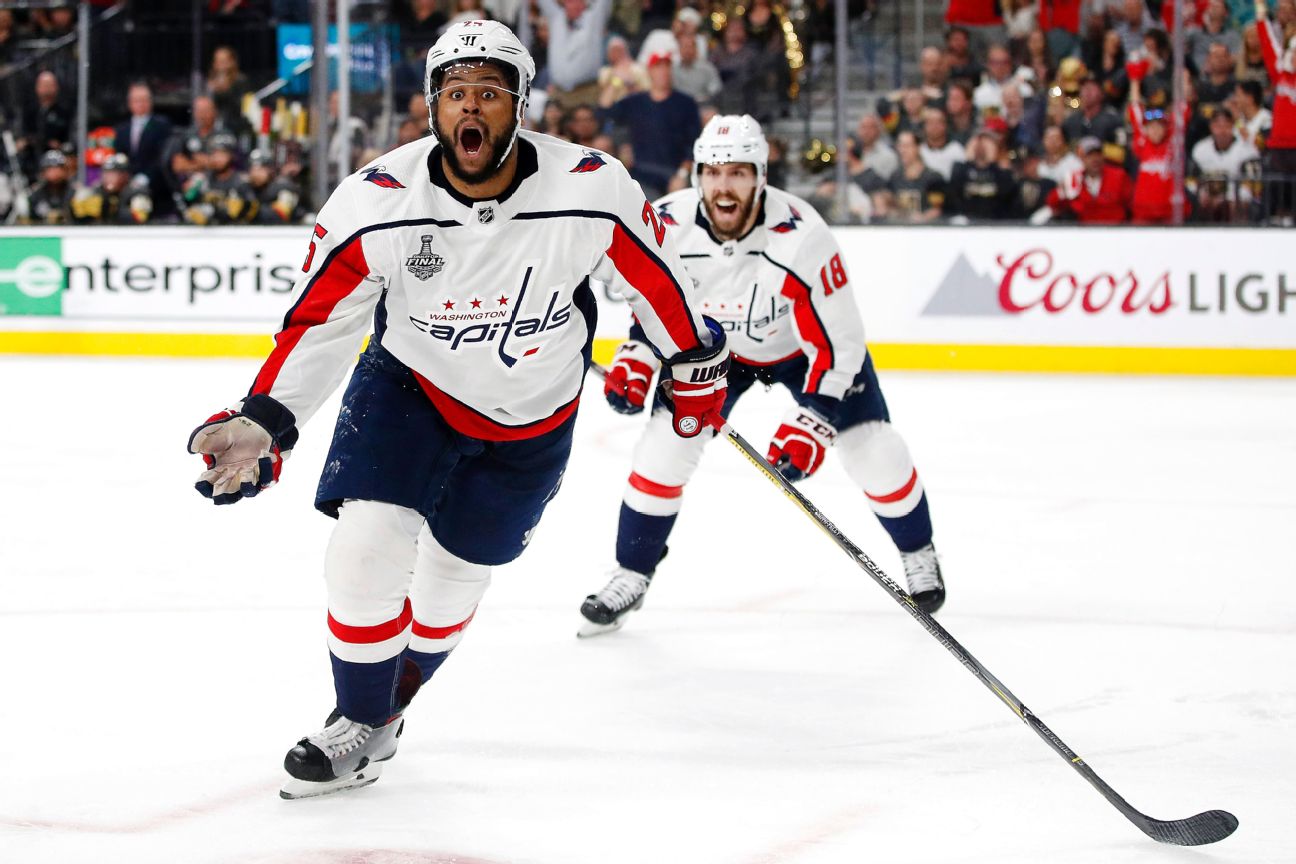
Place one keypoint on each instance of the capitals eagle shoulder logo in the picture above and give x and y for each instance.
(379, 177)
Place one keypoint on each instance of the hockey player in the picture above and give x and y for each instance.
(50, 203)
(116, 199)
(220, 195)
(278, 198)
(472, 252)
(767, 267)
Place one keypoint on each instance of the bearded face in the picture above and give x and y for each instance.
(475, 120)
(729, 198)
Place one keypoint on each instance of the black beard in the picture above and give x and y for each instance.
(744, 213)
(471, 178)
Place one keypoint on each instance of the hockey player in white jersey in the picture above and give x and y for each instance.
(769, 270)
(471, 254)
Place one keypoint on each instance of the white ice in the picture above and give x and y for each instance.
(1118, 551)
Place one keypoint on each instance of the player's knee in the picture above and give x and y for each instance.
(369, 560)
(445, 594)
(665, 459)
(878, 460)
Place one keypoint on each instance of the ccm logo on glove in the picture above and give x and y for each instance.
(800, 443)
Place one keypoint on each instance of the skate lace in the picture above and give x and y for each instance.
(624, 588)
(341, 737)
(921, 570)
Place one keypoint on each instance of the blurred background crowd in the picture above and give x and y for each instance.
(970, 110)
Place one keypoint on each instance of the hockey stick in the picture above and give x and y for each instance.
(1209, 827)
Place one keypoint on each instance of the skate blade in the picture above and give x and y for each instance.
(588, 629)
(294, 789)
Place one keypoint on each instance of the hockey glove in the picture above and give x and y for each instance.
(698, 381)
(244, 448)
(798, 447)
(626, 385)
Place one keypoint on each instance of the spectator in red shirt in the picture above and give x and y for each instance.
(1099, 195)
(1060, 21)
(1280, 152)
(1154, 186)
(983, 20)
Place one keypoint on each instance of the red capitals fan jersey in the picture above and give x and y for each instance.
(1280, 61)
(488, 302)
(779, 292)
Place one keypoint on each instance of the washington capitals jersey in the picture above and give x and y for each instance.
(779, 292)
(487, 301)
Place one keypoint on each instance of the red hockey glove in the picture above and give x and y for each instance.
(244, 448)
(698, 381)
(626, 385)
(798, 447)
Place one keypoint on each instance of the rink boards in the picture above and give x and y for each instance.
(1192, 300)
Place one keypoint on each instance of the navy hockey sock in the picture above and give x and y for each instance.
(641, 539)
(911, 531)
(428, 664)
(366, 692)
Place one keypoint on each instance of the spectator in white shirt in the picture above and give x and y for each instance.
(576, 33)
(1059, 162)
(1217, 167)
(694, 74)
(938, 152)
(867, 150)
(1254, 120)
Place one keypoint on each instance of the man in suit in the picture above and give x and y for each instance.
(143, 138)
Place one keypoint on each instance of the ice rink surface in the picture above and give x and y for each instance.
(1118, 551)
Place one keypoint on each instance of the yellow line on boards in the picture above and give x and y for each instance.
(978, 358)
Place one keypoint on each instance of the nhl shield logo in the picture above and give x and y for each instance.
(423, 263)
(486, 215)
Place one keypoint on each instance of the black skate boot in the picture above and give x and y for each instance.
(605, 611)
(923, 573)
(343, 755)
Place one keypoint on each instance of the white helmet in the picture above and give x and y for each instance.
(474, 41)
(730, 138)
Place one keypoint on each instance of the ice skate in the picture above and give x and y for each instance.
(344, 755)
(923, 573)
(605, 611)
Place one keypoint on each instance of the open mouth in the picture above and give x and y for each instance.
(727, 206)
(471, 139)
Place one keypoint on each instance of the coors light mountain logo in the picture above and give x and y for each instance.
(1032, 280)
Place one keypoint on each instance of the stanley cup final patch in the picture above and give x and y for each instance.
(424, 264)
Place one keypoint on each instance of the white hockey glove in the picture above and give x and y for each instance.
(800, 443)
(244, 448)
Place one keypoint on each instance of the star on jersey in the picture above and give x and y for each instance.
(379, 177)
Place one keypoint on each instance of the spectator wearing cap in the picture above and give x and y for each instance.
(622, 75)
(915, 193)
(1058, 163)
(116, 199)
(686, 25)
(741, 68)
(50, 202)
(46, 121)
(1154, 186)
(1253, 119)
(938, 151)
(1214, 29)
(1217, 166)
(1093, 118)
(980, 188)
(695, 74)
(1098, 195)
(577, 29)
(1217, 82)
(662, 124)
(143, 137)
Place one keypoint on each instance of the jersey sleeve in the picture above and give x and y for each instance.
(333, 303)
(642, 265)
(824, 312)
(1270, 46)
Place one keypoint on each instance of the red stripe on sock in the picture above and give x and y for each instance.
(899, 494)
(375, 633)
(648, 487)
(426, 632)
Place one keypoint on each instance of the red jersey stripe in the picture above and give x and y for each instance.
(648, 487)
(651, 279)
(425, 632)
(340, 275)
(465, 420)
(811, 328)
(898, 495)
(376, 633)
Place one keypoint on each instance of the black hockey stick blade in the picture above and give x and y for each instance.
(1209, 827)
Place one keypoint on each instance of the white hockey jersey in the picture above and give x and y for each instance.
(488, 302)
(779, 292)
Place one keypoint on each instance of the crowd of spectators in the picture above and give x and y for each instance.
(1046, 110)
